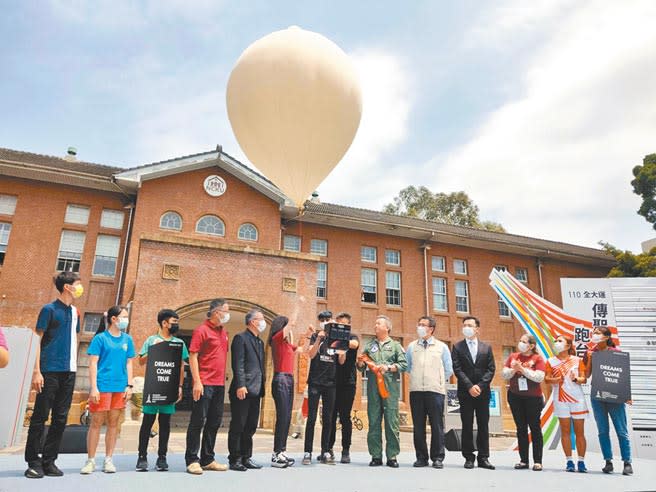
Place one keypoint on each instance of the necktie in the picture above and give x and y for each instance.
(425, 343)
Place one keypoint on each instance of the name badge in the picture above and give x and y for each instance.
(522, 384)
(373, 349)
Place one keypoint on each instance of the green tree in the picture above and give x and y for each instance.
(630, 264)
(644, 185)
(450, 208)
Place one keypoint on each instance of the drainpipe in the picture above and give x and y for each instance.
(426, 247)
(119, 291)
(539, 265)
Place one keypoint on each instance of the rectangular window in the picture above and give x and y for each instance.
(439, 294)
(111, 219)
(366, 339)
(393, 257)
(319, 247)
(504, 311)
(7, 204)
(77, 214)
(521, 274)
(291, 243)
(438, 264)
(106, 255)
(322, 276)
(460, 267)
(462, 296)
(91, 322)
(70, 251)
(393, 288)
(368, 284)
(368, 254)
(5, 231)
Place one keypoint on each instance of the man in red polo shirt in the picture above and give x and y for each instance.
(207, 358)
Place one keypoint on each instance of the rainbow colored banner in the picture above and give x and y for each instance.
(544, 321)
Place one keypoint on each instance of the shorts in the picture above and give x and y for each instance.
(108, 401)
(566, 410)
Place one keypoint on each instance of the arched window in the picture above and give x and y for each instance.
(210, 224)
(171, 220)
(247, 232)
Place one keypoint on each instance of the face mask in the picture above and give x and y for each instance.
(123, 324)
(173, 328)
(261, 326)
(596, 338)
(225, 318)
(421, 331)
(468, 331)
(322, 324)
(78, 291)
(523, 346)
(559, 347)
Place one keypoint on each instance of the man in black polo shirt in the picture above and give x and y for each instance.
(344, 394)
(321, 385)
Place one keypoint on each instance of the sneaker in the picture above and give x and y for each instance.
(608, 467)
(628, 469)
(290, 461)
(35, 471)
(51, 470)
(108, 465)
(570, 466)
(581, 467)
(307, 458)
(89, 467)
(327, 459)
(278, 461)
(161, 464)
(332, 454)
(346, 457)
(195, 468)
(215, 466)
(142, 464)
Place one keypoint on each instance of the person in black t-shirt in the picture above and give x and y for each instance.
(321, 385)
(344, 394)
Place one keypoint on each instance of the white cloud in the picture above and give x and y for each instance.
(556, 161)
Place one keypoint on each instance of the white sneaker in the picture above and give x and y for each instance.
(278, 461)
(108, 465)
(290, 461)
(88, 467)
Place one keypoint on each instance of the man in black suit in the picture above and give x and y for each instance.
(246, 391)
(473, 365)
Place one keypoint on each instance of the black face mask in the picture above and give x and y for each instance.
(173, 328)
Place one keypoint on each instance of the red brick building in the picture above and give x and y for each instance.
(179, 233)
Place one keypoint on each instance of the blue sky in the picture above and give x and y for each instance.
(538, 110)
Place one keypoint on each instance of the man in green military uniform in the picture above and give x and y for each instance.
(388, 357)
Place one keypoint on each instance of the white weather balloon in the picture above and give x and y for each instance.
(294, 104)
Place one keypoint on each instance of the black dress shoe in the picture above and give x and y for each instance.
(484, 463)
(250, 464)
(438, 464)
(237, 466)
(51, 470)
(420, 463)
(34, 472)
(393, 463)
(469, 464)
(376, 462)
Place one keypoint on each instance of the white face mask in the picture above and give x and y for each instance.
(559, 347)
(421, 331)
(225, 318)
(523, 346)
(468, 331)
(261, 325)
(596, 338)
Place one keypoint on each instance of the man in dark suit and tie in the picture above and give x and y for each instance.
(246, 391)
(473, 365)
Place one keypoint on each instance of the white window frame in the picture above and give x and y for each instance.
(243, 236)
(66, 258)
(217, 221)
(8, 204)
(366, 257)
(504, 310)
(393, 290)
(440, 295)
(458, 261)
(393, 262)
(110, 254)
(322, 280)
(433, 260)
(460, 297)
(373, 288)
(290, 242)
(92, 321)
(5, 233)
(77, 214)
(112, 219)
(521, 269)
(319, 247)
(168, 216)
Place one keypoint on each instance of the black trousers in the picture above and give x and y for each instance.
(327, 395)
(206, 416)
(282, 388)
(344, 396)
(56, 396)
(481, 408)
(243, 424)
(429, 404)
(526, 414)
(164, 433)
